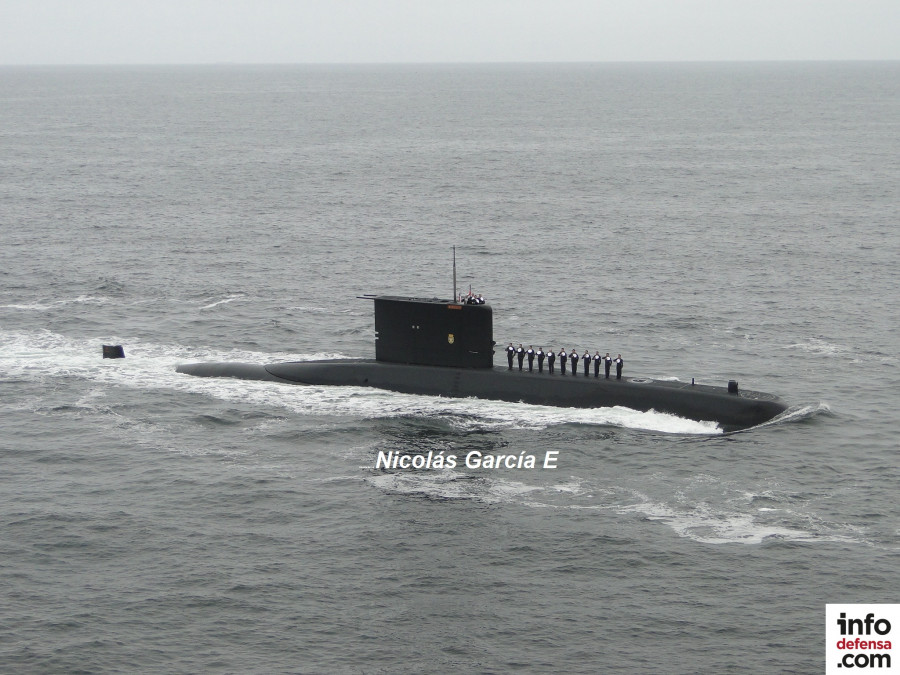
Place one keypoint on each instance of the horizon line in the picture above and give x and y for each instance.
(434, 63)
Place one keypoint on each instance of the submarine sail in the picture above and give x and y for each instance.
(433, 332)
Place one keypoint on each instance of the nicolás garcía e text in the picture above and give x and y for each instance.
(473, 460)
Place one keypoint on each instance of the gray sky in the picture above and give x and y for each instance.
(389, 31)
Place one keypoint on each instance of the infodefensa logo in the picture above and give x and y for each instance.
(859, 637)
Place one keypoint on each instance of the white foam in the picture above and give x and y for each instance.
(32, 307)
(445, 484)
(708, 523)
(818, 346)
(45, 355)
(709, 526)
(478, 486)
(44, 307)
(224, 301)
(794, 414)
(701, 521)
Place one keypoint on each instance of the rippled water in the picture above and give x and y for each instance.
(710, 221)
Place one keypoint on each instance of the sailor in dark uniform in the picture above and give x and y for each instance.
(510, 352)
(586, 361)
(607, 362)
(551, 357)
(562, 360)
(597, 360)
(540, 355)
(530, 354)
(573, 357)
(520, 354)
(619, 364)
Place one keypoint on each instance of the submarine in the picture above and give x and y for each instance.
(440, 347)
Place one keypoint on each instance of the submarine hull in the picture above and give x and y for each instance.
(731, 411)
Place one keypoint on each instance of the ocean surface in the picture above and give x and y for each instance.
(716, 222)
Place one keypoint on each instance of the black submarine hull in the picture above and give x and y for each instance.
(730, 411)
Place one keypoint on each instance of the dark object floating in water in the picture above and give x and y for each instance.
(445, 348)
(113, 352)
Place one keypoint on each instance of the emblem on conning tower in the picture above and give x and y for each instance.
(450, 338)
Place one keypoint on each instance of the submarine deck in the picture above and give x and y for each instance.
(695, 401)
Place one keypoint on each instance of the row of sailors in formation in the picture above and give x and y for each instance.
(520, 353)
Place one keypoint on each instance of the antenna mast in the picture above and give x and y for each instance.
(454, 275)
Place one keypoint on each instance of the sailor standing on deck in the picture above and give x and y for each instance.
(540, 355)
(573, 357)
(530, 353)
(597, 360)
(607, 362)
(586, 360)
(520, 354)
(551, 357)
(510, 352)
(562, 360)
(619, 364)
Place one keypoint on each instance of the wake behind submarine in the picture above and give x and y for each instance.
(441, 347)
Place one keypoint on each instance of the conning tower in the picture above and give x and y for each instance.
(433, 332)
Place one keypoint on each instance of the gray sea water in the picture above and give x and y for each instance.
(719, 221)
